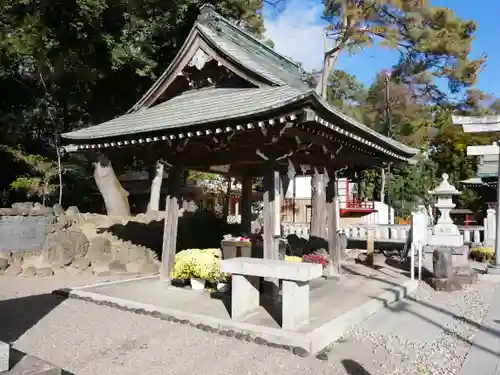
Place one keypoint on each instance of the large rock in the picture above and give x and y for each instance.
(61, 247)
(13, 270)
(117, 266)
(99, 249)
(4, 263)
(442, 263)
(142, 267)
(45, 271)
(81, 263)
(33, 259)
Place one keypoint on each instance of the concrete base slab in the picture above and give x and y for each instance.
(493, 270)
(453, 283)
(336, 306)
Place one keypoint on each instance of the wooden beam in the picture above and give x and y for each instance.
(246, 203)
(172, 206)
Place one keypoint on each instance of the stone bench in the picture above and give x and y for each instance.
(295, 276)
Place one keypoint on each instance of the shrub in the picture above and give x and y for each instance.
(482, 254)
(197, 263)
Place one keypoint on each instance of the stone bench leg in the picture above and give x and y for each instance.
(296, 304)
(245, 295)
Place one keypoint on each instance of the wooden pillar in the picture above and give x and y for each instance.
(246, 204)
(318, 216)
(332, 202)
(272, 227)
(172, 206)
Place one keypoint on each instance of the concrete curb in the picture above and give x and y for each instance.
(301, 343)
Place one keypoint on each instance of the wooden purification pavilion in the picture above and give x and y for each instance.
(229, 104)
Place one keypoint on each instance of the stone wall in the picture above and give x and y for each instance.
(24, 227)
(51, 240)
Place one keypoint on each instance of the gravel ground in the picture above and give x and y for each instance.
(85, 338)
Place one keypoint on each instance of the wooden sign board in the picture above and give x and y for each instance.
(484, 124)
(482, 150)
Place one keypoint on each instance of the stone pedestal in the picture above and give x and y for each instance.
(459, 255)
(442, 263)
(446, 255)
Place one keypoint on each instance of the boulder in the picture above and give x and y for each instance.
(99, 267)
(45, 271)
(58, 209)
(99, 249)
(61, 247)
(4, 263)
(142, 267)
(13, 270)
(81, 263)
(6, 255)
(72, 211)
(33, 259)
(29, 271)
(117, 266)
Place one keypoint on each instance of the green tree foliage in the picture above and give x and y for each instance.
(69, 64)
(433, 42)
(40, 173)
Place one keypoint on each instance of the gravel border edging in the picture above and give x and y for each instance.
(304, 345)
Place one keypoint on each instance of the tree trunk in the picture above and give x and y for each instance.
(114, 195)
(318, 186)
(227, 200)
(154, 198)
(318, 212)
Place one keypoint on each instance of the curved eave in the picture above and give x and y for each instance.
(364, 130)
(292, 107)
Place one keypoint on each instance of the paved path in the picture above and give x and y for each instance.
(484, 355)
(86, 339)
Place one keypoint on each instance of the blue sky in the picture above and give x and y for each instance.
(297, 32)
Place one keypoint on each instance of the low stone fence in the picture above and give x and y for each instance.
(392, 233)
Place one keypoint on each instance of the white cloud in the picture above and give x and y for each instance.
(297, 32)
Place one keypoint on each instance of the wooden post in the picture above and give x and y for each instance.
(335, 261)
(172, 206)
(246, 204)
(370, 248)
(271, 233)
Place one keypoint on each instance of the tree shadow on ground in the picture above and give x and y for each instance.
(18, 315)
(401, 306)
(353, 367)
(196, 230)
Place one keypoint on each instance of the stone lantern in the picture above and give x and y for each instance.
(445, 232)
(445, 252)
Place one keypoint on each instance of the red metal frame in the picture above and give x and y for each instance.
(356, 205)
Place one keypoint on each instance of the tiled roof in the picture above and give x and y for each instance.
(253, 61)
(192, 108)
